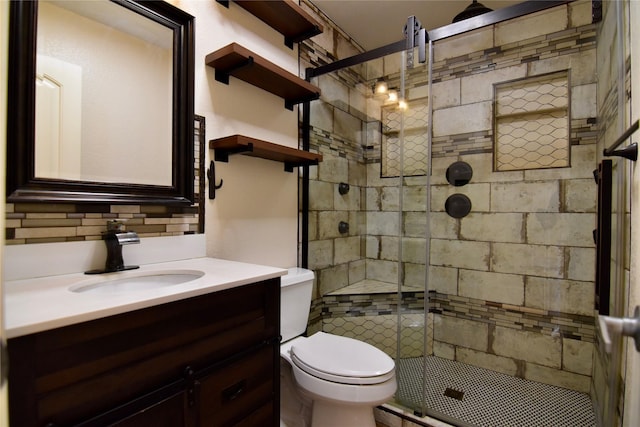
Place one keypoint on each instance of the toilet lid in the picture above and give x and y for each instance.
(342, 360)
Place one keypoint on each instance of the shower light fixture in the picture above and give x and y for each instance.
(393, 95)
(474, 9)
(403, 104)
(380, 87)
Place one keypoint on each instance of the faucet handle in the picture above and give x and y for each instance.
(115, 225)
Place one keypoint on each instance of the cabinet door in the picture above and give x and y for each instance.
(241, 393)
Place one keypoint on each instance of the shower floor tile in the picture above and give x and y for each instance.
(480, 397)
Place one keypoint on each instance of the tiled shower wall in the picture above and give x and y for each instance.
(512, 283)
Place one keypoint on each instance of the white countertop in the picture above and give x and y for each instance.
(38, 304)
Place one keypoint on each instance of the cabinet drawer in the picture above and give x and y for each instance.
(233, 392)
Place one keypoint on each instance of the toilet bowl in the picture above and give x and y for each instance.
(342, 379)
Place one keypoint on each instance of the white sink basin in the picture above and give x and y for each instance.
(135, 281)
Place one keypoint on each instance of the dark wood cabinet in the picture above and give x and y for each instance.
(172, 411)
(211, 360)
(238, 392)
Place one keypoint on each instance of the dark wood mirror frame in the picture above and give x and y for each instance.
(22, 184)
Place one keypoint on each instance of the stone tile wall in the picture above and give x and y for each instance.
(515, 277)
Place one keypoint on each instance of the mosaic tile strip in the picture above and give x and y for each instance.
(568, 42)
(371, 304)
(326, 142)
(48, 223)
(571, 326)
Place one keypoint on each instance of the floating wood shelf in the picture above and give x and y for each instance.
(285, 16)
(239, 144)
(238, 61)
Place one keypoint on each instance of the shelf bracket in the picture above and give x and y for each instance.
(222, 155)
(289, 103)
(288, 166)
(223, 75)
(290, 41)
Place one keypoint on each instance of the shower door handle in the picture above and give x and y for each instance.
(625, 326)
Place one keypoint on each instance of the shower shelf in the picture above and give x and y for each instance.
(284, 16)
(239, 144)
(238, 61)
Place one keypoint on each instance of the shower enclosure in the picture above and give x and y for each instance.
(450, 222)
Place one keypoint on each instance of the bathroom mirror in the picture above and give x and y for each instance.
(100, 102)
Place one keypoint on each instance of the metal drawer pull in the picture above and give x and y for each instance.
(231, 393)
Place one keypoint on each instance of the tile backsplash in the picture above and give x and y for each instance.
(54, 222)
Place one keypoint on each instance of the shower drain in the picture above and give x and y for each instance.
(456, 394)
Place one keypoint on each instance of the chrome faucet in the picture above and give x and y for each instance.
(115, 237)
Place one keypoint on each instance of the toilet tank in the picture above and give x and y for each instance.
(295, 302)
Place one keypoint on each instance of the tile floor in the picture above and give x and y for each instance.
(480, 397)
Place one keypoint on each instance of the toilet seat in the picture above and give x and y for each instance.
(342, 360)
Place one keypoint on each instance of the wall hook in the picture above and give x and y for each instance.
(211, 174)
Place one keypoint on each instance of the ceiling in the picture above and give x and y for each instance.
(375, 23)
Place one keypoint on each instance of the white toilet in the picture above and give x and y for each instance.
(335, 381)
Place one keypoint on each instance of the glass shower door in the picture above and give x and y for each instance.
(510, 278)
(411, 118)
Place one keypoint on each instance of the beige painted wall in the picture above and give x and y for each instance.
(254, 216)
